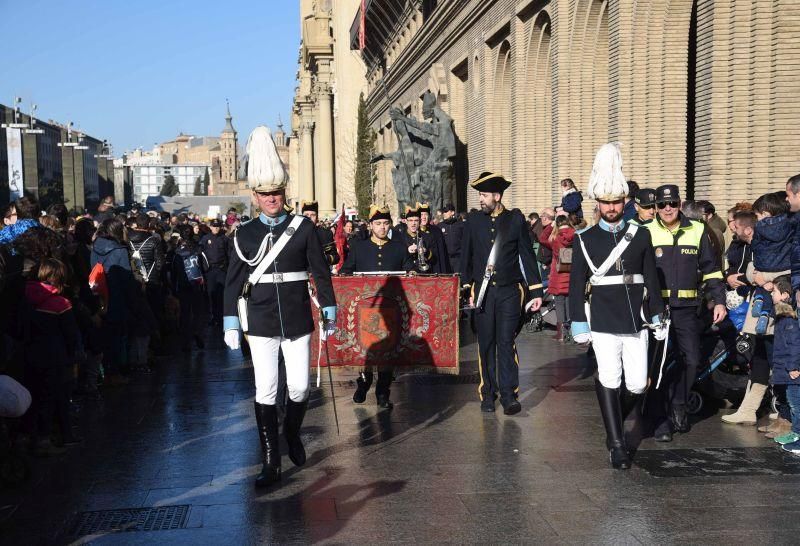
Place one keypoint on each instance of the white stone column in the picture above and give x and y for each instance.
(306, 185)
(323, 179)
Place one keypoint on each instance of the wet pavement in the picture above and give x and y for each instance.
(173, 456)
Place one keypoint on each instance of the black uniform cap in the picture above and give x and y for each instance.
(215, 223)
(645, 197)
(379, 213)
(412, 212)
(311, 205)
(491, 183)
(667, 192)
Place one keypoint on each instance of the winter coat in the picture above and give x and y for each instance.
(51, 333)
(786, 349)
(545, 255)
(10, 233)
(629, 211)
(151, 250)
(571, 202)
(739, 256)
(558, 283)
(117, 265)
(772, 244)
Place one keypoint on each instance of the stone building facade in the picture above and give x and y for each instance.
(322, 145)
(701, 93)
(59, 164)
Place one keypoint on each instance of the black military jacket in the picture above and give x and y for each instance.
(442, 262)
(216, 249)
(614, 309)
(279, 309)
(328, 245)
(453, 233)
(406, 239)
(367, 256)
(515, 248)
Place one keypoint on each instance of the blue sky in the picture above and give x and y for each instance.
(139, 72)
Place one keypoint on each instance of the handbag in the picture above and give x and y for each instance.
(564, 261)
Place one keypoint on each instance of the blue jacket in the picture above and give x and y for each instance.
(117, 265)
(772, 244)
(571, 203)
(786, 349)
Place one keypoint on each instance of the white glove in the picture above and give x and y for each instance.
(660, 332)
(585, 337)
(232, 339)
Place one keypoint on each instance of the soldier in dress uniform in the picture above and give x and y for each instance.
(311, 211)
(498, 267)
(378, 253)
(441, 263)
(424, 257)
(274, 309)
(616, 259)
(453, 232)
(215, 246)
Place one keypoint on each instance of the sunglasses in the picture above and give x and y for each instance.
(670, 204)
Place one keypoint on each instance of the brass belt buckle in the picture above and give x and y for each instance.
(627, 278)
(277, 277)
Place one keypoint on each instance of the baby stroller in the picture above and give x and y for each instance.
(723, 371)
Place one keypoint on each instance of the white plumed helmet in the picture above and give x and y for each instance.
(607, 182)
(262, 164)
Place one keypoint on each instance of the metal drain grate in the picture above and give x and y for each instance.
(444, 379)
(163, 518)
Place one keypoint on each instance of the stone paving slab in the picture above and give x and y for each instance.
(435, 470)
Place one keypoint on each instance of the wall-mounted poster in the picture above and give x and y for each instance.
(15, 183)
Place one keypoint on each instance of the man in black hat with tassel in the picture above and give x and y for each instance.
(499, 269)
(378, 253)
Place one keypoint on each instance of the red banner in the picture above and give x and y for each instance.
(390, 320)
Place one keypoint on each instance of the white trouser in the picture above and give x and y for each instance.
(296, 355)
(618, 352)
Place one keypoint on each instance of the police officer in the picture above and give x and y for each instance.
(419, 245)
(617, 261)
(311, 211)
(645, 203)
(500, 284)
(682, 249)
(215, 245)
(276, 304)
(442, 262)
(378, 253)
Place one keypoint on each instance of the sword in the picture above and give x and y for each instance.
(330, 373)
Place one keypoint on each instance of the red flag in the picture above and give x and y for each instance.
(362, 26)
(340, 238)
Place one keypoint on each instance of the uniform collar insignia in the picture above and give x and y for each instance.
(270, 221)
(605, 226)
(377, 241)
(498, 210)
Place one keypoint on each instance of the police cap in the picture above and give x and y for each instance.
(645, 197)
(667, 192)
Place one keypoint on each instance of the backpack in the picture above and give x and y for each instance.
(98, 283)
(191, 266)
(138, 262)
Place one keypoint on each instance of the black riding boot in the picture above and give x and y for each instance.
(364, 382)
(267, 419)
(612, 419)
(680, 419)
(628, 402)
(295, 412)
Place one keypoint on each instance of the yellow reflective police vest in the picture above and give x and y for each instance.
(684, 259)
